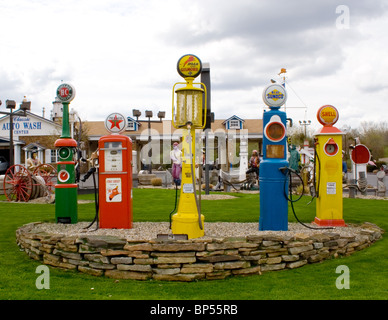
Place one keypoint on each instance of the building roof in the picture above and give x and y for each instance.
(97, 128)
(233, 118)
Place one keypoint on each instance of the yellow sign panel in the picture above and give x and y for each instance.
(189, 66)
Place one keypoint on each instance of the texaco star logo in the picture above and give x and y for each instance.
(115, 123)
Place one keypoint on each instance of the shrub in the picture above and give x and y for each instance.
(156, 182)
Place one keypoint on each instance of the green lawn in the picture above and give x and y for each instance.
(368, 268)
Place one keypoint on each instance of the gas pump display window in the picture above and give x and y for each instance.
(113, 156)
(275, 130)
(189, 107)
(275, 151)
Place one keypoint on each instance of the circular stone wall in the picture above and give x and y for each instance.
(115, 254)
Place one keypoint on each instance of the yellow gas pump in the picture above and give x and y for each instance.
(188, 114)
(328, 150)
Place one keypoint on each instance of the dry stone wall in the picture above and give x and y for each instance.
(188, 260)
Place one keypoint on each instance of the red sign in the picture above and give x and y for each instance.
(64, 92)
(63, 176)
(360, 154)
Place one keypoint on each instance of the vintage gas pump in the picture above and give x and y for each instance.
(273, 168)
(115, 175)
(66, 210)
(328, 150)
(189, 114)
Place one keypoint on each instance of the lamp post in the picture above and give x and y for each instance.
(149, 114)
(11, 104)
(305, 124)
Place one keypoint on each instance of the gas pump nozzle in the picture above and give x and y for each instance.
(284, 170)
(88, 174)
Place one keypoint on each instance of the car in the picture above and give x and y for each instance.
(4, 164)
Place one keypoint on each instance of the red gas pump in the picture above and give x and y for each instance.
(115, 176)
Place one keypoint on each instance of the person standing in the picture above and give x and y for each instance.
(176, 157)
(254, 163)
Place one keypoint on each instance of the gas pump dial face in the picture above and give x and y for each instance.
(331, 149)
(64, 153)
(63, 176)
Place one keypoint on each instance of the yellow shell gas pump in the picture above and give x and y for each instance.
(189, 114)
(328, 165)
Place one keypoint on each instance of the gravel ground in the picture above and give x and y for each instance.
(149, 230)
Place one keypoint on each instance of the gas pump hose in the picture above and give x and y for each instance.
(96, 199)
(176, 199)
(289, 198)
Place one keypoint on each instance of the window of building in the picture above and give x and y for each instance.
(53, 156)
(131, 126)
(234, 124)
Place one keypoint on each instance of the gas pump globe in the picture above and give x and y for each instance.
(188, 114)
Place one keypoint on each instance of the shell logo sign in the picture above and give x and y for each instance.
(327, 115)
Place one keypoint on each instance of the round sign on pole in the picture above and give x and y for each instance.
(115, 123)
(189, 66)
(360, 154)
(65, 92)
(274, 95)
(327, 115)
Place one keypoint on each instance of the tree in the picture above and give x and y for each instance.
(375, 137)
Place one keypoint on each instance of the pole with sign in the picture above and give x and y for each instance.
(66, 210)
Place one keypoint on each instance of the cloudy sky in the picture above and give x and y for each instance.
(122, 54)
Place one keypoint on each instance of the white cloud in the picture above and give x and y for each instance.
(121, 55)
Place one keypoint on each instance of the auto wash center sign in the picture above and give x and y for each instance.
(29, 125)
(23, 125)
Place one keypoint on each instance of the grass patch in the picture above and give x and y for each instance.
(368, 272)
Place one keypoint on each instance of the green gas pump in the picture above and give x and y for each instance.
(66, 210)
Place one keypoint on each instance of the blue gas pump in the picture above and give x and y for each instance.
(273, 168)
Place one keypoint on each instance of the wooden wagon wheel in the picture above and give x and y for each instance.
(17, 183)
(49, 174)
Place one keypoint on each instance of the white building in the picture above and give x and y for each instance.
(30, 133)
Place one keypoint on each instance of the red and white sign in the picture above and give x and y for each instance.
(113, 190)
(115, 123)
(66, 92)
(63, 176)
